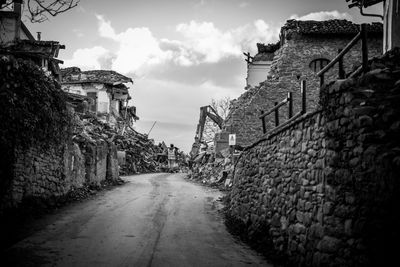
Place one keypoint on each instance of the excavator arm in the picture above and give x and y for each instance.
(205, 111)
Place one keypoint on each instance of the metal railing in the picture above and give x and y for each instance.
(362, 35)
(288, 100)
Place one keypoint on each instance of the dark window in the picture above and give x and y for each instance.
(92, 101)
(318, 64)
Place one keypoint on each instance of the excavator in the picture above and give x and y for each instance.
(205, 111)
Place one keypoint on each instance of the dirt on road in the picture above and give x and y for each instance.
(152, 220)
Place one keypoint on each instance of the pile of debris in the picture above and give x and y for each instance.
(88, 128)
(211, 171)
(141, 154)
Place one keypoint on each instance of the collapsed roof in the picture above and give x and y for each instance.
(266, 52)
(110, 77)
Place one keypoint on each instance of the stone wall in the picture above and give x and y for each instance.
(290, 65)
(323, 190)
(74, 165)
(51, 172)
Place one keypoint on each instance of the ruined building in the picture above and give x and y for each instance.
(106, 91)
(304, 48)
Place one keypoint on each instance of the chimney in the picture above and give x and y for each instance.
(38, 36)
(18, 11)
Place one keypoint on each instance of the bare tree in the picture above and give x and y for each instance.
(39, 10)
(221, 106)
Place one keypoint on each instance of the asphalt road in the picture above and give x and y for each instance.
(153, 220)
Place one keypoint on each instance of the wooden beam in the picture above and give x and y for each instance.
(303, 97)
(263, 123)
(290, 106)
(277, 114)
(364, 47)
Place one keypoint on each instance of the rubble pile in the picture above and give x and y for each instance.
(141, 153)
(88, 128)
(212, 171)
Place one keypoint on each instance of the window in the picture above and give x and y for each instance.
(318, 64)
(92, 101)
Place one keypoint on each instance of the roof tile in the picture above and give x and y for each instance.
(75, 75)
(331, 27)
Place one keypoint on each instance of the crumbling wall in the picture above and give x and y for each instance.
(290, 65)
(74, 165)
(321, 191)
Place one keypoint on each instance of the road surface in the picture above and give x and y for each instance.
(153, 220)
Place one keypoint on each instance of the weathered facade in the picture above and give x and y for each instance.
(105, 89)
(304, 48)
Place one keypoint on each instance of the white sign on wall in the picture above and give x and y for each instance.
(232, 139)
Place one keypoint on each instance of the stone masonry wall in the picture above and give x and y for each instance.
(323, 190)
(290, 65)
(52, 172)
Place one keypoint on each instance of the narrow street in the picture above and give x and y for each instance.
(153, 220)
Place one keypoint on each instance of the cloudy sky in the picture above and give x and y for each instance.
(180, 53)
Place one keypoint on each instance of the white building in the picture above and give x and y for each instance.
(258, 67)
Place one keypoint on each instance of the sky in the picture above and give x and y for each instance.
(181, 54)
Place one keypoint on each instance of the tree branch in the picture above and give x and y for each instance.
(39, 9)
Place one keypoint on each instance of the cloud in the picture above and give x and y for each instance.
(138, 51)
(78, 32)
(105, 29)
(201, 42)
(89, 58)
(323, 15)
(205, 43)
(137, 47)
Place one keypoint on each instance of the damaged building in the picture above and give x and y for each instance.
(304, 48)
(105, 90)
